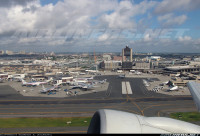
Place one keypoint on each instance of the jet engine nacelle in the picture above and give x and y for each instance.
(112, 121)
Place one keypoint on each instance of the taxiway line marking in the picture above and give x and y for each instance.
(136, 105)
(156, 106)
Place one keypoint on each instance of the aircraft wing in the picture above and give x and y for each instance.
(111, 121)
(194, 88)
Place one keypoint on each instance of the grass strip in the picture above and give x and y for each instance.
(186, 116)
(44, 122)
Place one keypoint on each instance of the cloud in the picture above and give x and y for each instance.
(124, 13)
(185, 38)
(147, 38)
(73, 24)
(168, 6)
(103, 37)
(170, 19)
(10, 3)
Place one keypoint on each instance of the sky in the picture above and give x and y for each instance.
(164, 26)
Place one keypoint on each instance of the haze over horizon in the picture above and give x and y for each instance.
(101, 25)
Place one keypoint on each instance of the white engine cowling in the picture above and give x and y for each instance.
(113, 121)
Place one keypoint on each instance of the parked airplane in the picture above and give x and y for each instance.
(121, 76)
(1, 80)
(24, 83)
(174, 88)
(85, 78)
(165, 82)
(171, 86)
(92, 71)
(84, 86)
(81, 80)
(138, 73)
(146, 83)
(119, 71)
(177, 75)
(170, 83)
(45, 90)
(75, 73)
(88, 87)
(103, 81)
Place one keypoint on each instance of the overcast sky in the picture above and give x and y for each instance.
(100, 25)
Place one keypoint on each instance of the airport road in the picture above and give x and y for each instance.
(141, 101)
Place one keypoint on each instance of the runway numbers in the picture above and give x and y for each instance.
(126, 88)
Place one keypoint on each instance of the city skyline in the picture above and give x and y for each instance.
(162, 26)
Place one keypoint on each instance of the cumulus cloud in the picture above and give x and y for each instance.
(10, 3)
(185, 38)
(103, 37)
(170, 19)
(147, 38)
(122, 16)
(167, 6)
(72, 23)
(14, 18)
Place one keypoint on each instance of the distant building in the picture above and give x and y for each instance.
(9, 52)
(155, 58)
(52, 54)
(110, 65)
(183, 68)
(118, 58)
(142, 65)
(197, 59)
(127, 54)
(127, 58)
(1, 52)
(22, 52)
(26, 61)
(106, 57)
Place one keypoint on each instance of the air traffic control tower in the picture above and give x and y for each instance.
(128, 60)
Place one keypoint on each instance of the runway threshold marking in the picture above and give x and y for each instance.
(126, 88)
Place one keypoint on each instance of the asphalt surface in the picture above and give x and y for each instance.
(142, 102)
